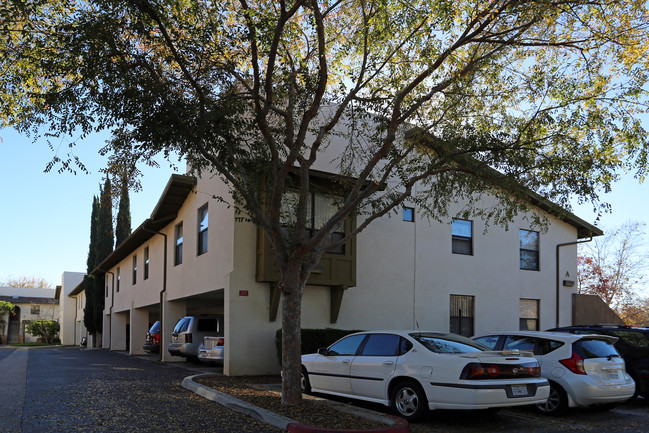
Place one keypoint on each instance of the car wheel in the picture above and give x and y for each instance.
(409, 400)
(306, 385)
(557, 402)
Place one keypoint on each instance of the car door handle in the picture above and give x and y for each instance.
(346, 361)
(388, 363)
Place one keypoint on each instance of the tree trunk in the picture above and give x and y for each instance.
(291, 340)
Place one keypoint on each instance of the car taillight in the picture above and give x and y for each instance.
(478, 370)
(575, 364)
(156, 338)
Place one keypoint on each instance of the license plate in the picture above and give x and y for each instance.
(614, 375)
(519, 390)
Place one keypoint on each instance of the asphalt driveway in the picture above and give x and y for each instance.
(66, 389)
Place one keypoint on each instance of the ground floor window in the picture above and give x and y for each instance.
(529, 315)
(462, 313)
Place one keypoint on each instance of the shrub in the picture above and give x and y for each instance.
(46, 329)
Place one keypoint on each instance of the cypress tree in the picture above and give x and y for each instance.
(101, 245)
(105, 237)
(88, 283)
(105, 241)
(123, 226)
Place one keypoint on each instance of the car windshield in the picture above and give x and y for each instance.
(448, 343)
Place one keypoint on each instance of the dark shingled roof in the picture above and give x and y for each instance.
(29, 300)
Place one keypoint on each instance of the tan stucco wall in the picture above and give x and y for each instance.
(69, 308)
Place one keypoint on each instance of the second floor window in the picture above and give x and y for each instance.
(529, 244)
(178, 248)
(146, 263)
(320, 209)
(118, 279)
(134, 269)
(36, 310)
(462, 237)
(408, 214)
(202, 230)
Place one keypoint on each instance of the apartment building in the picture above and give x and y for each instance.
(193, 256)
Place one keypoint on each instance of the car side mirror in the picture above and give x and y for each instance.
(323, 351)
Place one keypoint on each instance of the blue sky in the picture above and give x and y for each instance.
(45, 217)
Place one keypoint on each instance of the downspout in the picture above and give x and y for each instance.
(590, 238)
(110, 311)
(76, 316)
(164, 288)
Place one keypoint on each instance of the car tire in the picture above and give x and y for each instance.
(304, 380)
(557, 402)
(408, 400)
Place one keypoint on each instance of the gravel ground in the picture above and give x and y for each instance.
(313, 411)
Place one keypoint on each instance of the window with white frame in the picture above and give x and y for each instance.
(146, 263)
(134, 269)
(462, 237)
(202, 230)
(529, 315)
(408, 214)
(178, 246)
(529, 250)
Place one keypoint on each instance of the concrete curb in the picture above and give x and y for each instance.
(233, 403)
(394, 424)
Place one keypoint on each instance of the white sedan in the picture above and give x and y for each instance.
(414, 371)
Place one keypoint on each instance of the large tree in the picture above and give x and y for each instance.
(32, 282)
(101, 245)
(613, 266)
(92, 262)
(547, 92)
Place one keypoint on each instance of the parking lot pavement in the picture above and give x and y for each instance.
(628, 417)
(73, 390)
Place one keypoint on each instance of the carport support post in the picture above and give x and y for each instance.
(139, 327)
(172, 311)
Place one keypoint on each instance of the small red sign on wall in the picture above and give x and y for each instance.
(243, 293)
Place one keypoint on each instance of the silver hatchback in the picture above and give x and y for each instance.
(583, 370)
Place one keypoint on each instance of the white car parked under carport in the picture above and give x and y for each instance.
(414, 371)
